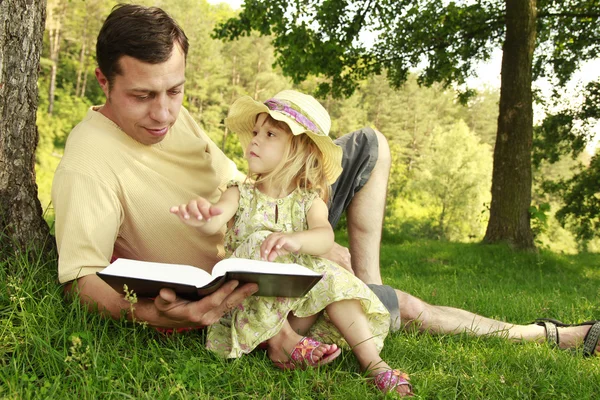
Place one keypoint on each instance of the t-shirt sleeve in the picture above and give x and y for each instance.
(88, 216)
(225, 168)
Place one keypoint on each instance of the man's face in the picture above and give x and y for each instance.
(145, 99)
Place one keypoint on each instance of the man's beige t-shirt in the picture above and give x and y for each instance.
(112, 196)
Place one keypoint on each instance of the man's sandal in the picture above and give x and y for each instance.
(391, 381)
(302, 355)
(590, 342)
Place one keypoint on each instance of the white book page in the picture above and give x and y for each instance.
(176, 273)
(242, 264)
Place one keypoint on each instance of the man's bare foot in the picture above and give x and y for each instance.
(570, 337)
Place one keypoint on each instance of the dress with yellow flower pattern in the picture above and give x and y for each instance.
(258, 319)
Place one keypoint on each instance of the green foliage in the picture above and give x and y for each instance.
(581, 210)
(567, 132)
(414, 119)
(53, 131)
(539, 217)
(481, 114)
(456, 176)
(445, 39)
(569, 33)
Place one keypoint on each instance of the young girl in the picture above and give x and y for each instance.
(282, 215)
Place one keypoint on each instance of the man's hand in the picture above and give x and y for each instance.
(340, 255)
(205, 311)
(166, 310)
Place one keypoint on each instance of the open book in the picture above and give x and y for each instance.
(147, 278)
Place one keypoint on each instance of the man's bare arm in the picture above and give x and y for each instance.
(166, 310)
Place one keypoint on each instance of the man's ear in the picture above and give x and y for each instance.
(103, 81)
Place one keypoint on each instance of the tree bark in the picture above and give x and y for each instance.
(22, 227)
(511, 179)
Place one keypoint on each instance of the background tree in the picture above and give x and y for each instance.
(217, 72)
(21, 223)
(446, 39)
(457, 181)
(56, 15)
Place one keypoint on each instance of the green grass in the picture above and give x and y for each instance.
(54, 349)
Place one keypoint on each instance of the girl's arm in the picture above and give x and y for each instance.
(206, 217)
(316, 240)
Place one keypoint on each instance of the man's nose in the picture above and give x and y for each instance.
(160, 109)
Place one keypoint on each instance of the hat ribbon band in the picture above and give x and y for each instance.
(298, 116)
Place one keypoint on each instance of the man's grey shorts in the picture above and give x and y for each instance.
(360, 151)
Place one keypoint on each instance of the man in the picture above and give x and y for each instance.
(134, 157)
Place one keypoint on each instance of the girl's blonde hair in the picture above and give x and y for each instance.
(301, 165)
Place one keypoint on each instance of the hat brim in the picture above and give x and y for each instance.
(242, 118)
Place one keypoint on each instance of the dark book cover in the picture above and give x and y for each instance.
(269, 284)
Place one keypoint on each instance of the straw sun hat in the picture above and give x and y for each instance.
(301, 112)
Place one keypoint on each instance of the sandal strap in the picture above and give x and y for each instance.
(591, 340)
(296, 354)
(551, 331)
(389, 380)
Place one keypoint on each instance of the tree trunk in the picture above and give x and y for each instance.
(511, 179)
(54, 32)
(80, 69)
(84, 84)
(22, 227)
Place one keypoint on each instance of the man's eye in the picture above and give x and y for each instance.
(175, 92)
(271, 134)
(142, 98)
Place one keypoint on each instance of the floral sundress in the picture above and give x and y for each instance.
(258, 319)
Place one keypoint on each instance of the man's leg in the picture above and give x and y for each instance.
(415, 313)
(361, 191)
(365, 217)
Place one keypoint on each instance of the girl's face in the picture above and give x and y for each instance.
(266, 149)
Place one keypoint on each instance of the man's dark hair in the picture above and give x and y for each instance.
(147, 34)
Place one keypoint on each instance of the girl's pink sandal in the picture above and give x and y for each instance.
(302, 355)
(391, 380)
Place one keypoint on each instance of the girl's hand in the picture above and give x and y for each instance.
(278, 244)
(196, 213)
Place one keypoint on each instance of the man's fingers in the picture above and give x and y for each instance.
(236, 297)
(165, 299)
(229, 296)
(207, 310)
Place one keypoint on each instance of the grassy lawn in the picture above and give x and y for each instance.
(53, 349)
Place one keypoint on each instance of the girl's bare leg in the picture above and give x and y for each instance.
(301, 325)
(349, 318)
